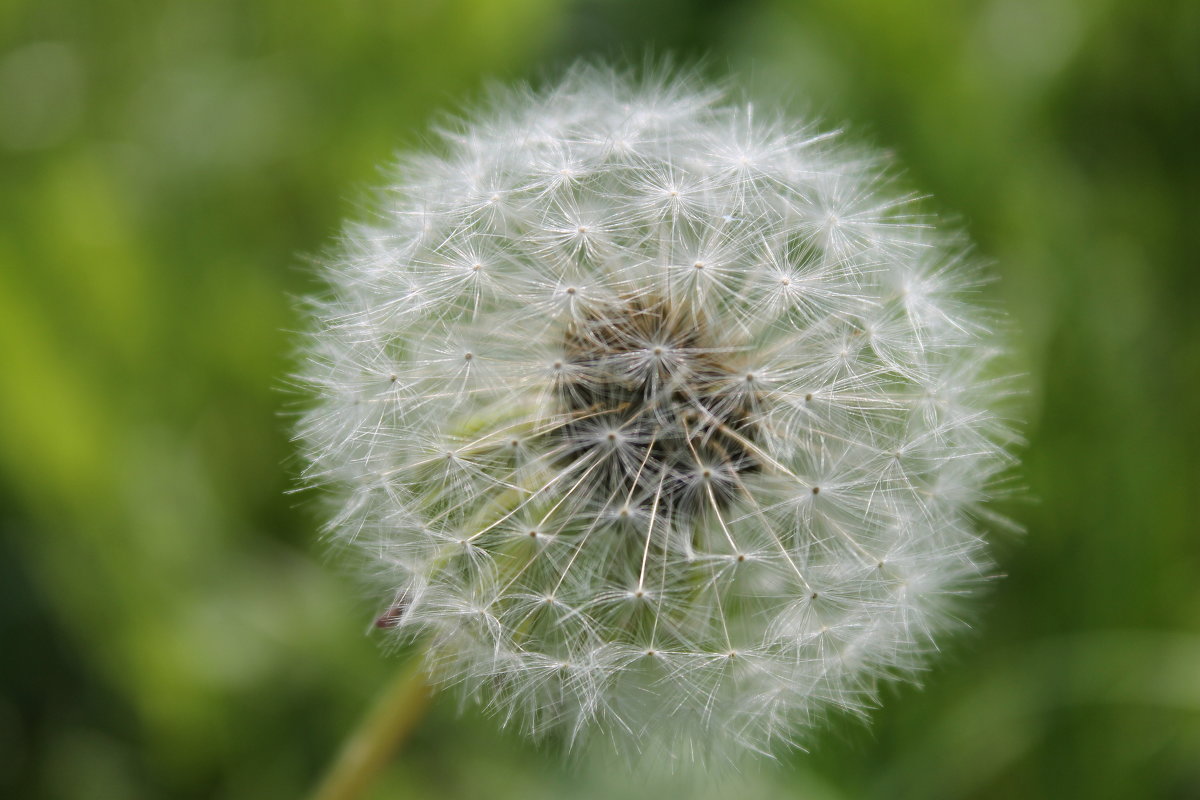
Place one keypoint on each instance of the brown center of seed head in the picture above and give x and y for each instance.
(651, 372)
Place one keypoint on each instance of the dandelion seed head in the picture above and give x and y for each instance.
(658, 419)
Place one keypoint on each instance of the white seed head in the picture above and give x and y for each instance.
(656, 418)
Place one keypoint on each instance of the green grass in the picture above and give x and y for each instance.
(172, 628)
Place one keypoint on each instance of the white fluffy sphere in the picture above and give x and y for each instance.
(655, 416)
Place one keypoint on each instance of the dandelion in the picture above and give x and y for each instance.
(656, 418)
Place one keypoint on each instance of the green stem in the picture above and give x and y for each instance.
(382, 730)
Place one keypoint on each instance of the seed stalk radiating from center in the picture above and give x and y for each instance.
(660, 405)
(659, 418)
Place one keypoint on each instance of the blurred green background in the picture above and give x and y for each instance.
(171, 628)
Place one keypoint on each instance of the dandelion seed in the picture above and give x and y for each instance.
(686, 424)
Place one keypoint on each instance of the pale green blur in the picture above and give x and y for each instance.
(170, 626)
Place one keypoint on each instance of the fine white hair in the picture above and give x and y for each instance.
(657, 418)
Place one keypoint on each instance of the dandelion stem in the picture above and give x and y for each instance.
(396, 712)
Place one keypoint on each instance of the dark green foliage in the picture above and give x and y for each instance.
(170, 626)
